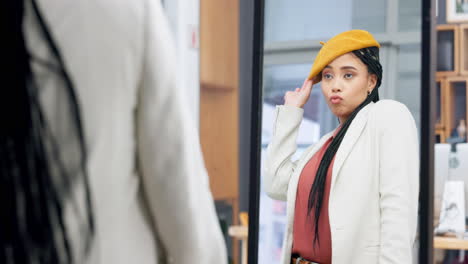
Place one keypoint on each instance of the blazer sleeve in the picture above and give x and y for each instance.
(399, 182)
(278, 164)
(174, 179)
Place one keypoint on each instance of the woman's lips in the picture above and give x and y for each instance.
(335, 99)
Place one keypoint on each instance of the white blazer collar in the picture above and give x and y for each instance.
(352, 135)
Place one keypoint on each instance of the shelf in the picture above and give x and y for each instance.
(450, 243)
(439, 121)
(456, 103)
(239, 232)
(463, 49)
(442, 110)
(440, 102)
(448, 50)
(441, 137)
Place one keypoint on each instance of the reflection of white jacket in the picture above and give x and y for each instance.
(375, 183)
(149, 184)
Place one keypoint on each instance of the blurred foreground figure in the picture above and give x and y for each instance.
(99, 159)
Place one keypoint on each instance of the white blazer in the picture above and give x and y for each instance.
(373, 205)
(149, 184)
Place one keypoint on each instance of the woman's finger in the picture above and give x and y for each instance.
(303, 84)
(307, 86)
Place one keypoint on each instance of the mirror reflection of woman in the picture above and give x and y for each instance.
(353, 196)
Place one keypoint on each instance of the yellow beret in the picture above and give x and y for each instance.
(338, 45)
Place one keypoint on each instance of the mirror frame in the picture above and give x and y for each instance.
(255, 129)
(428, 112)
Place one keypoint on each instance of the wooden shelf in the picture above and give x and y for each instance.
(452, 56)
(439, 98)
(455, 96)
(441, 87)
(463, 33)
(442, 109)
(448, 41)
(219, 102)
(441, 134)
(452, 96)
(450, 243)
(241, 233)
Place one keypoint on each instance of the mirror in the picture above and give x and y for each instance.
(286, 50)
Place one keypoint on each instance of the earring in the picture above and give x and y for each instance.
(368, 92)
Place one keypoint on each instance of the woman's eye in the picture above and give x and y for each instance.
(327, 76)
(348, 75)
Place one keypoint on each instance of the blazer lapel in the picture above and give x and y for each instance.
(352, 135)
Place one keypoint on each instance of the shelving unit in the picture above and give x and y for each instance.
(219, 103)
(451, 79)
(452, 95)
(463, 33)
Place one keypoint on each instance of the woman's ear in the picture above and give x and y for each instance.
(371, 82)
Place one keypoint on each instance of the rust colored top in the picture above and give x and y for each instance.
(304, 226)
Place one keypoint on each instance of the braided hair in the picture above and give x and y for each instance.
(36, 180)
(370, 57)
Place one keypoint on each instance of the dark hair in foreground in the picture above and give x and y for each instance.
(370, 57)
(36, 180)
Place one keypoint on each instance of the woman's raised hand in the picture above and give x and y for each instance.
(299, 96)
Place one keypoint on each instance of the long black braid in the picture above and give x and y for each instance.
(370, 57)
(36, 180)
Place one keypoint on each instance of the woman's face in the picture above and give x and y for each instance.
(345, 84)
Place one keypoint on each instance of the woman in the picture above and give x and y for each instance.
(100, 160)
(353, 196)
